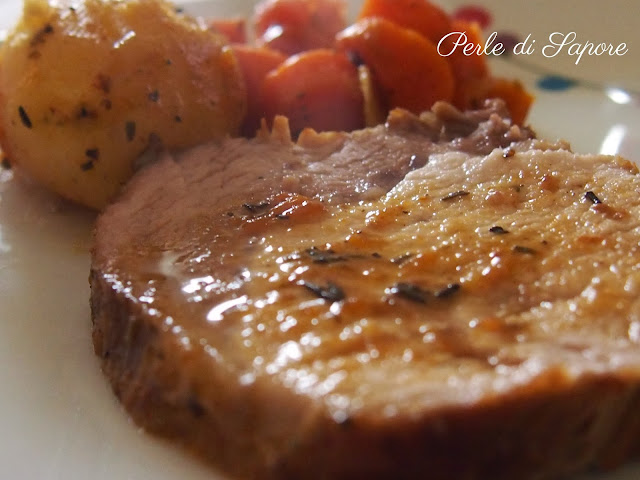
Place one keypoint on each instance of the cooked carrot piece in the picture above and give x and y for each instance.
(255, 64)
(518, 100)
(469, 71)
(234, 29)
(294, 26)
(408, 69)
(474, 82)
(318, 89)
(471, 95)
(467, 67)
(420, 15)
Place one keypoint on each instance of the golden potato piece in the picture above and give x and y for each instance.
(85, 86)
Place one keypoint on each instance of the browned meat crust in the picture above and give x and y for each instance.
(551, 399)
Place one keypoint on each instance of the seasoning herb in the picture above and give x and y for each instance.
(256, 207)
(26, 121)
(402, 258)
(39, 36)
(6, 164)
(355, 58)
(522, 249)
(103, 82)
(410, 291)
(130, 130)
(282, 216)
(88, 165)
(92, 153)
(154, 96)
(592, 197)
(178, 119)
(454, 195)
(195, 407)
(324, 256)
(84, 112)
(498, 230)
(329, 255)
(331, 292)
(448, 290)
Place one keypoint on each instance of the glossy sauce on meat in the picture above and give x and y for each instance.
(456, 270)
(417, 282)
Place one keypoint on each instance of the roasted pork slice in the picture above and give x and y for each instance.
(440, 297)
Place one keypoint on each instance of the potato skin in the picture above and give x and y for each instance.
(85, 87)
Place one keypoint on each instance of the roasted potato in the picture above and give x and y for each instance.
(85, 86)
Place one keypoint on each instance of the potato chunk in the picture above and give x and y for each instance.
(85, 86)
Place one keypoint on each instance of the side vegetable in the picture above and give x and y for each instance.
(421, 16)
(393, 44)
(85, 87)
(410, 72)
(294, 26)
(318, 89)
(255, 64)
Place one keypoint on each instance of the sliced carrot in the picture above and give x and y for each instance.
(234, 29)
(469, 71)
(518, 100)
(474, 82)
(471, 95)
(408, 69)
(255, 63)
(294, 26)
(467, 67)
(318, 89)
(420, 15)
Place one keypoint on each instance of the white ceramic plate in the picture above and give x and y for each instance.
(58, 417)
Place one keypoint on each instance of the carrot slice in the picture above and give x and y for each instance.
(408, 69)
(318, 89)
(294, 26)
(420, 15)
(470, 71)
(255, 64)
(468, 67)
(474, 82)
(518, 100)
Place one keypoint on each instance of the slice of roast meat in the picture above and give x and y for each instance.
(440, 297)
